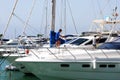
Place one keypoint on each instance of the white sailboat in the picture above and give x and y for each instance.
(73, 63)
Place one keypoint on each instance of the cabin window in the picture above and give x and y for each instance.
(12, 44)
(79, 41)
(89, 43)
(64, 65)
(101, 40)
(86, 65)
(103, 66)
(114, 35)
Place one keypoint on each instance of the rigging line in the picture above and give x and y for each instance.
(6, 27)
(42, 18)
(72, 16)
(61, 19)
(46, 19)
(25, 26)
(112, 29)
(118, 7)
(24, 21)
(2, 71)
(94, 9)
(65, 15)
(106, 5)
(116, 2)
(101, 12)
(2, 61)
(110, 6)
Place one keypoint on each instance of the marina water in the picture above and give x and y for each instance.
(13, 75)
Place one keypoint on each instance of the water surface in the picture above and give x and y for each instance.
(13, 75)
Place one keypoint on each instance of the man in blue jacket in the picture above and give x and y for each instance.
(58, 38)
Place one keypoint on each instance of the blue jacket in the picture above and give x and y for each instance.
(57, 36)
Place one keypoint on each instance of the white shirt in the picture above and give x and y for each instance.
(94, 40)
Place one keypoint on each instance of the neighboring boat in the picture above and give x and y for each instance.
(13, 49)
(10, 47)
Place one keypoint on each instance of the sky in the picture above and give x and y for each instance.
(78, 18)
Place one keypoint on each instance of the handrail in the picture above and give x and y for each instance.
(70, 53)
(104, 53)
(52, 53)
(89, 54)
(69, 50)
(118, 52)
(35, 54)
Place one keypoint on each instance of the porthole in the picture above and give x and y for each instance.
(86, 65)
(64, 65)
(111, 66)
(102, 65)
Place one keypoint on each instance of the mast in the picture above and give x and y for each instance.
(65, 15)
(53, 15)
(52, 32)
(46, 9)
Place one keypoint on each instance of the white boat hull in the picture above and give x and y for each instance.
(73, 70)
(73, 65)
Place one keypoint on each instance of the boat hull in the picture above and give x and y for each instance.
(74, 70)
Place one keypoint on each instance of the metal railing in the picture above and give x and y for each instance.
(91, 55)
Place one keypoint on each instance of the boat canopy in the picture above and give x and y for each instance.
(101, 21)
(110, 45)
